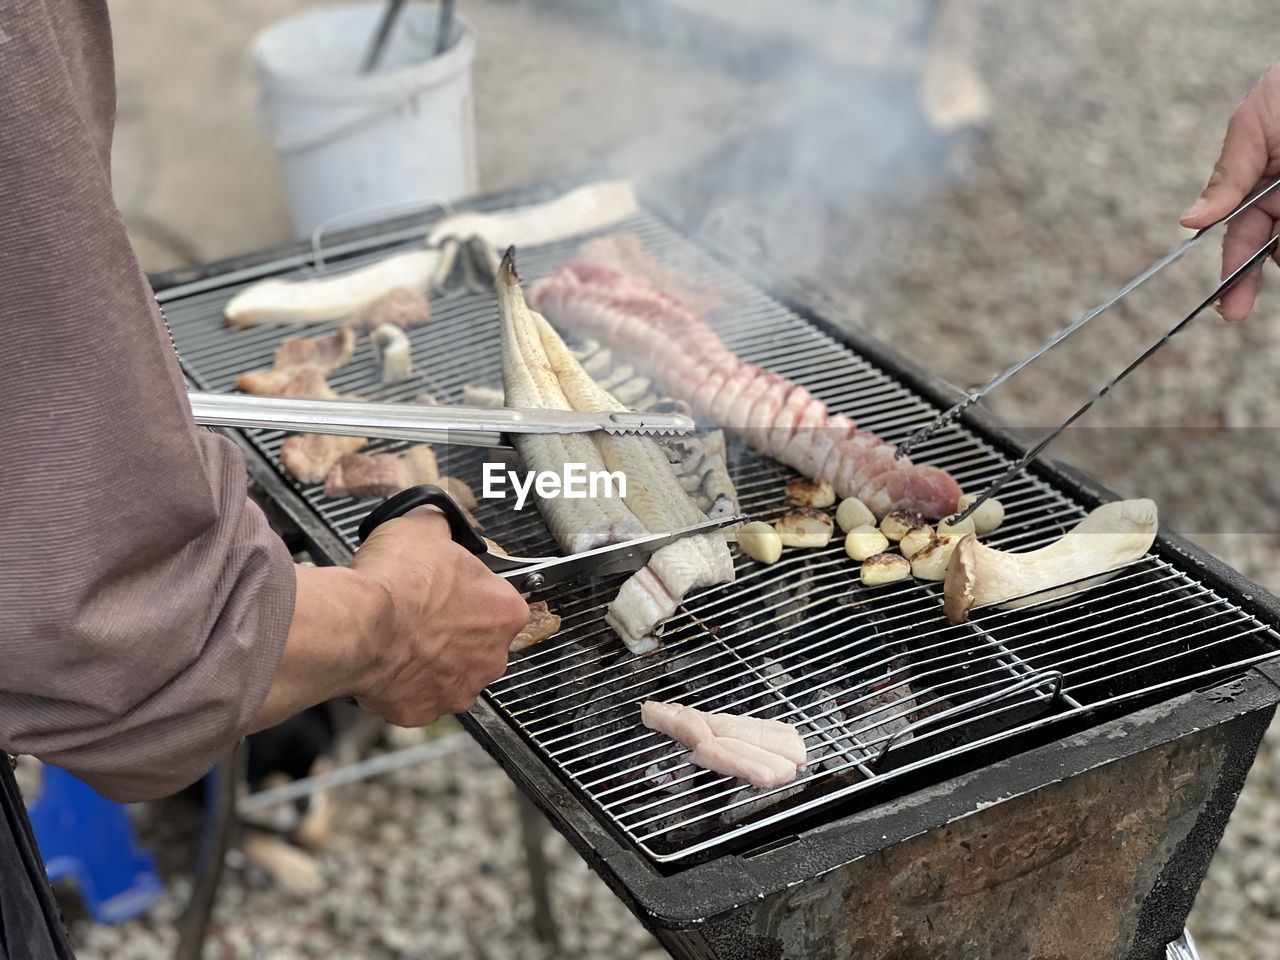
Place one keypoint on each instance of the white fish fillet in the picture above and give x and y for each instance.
(766, 753)
(654, 495)
(335, 297)
(579, 211)
(528, 381)
(539, 371)
(737, 758)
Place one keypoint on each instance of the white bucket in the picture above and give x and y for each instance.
(350, 141)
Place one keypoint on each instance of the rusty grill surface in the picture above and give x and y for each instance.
(876, 680)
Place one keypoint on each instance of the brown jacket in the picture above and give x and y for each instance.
(144, 603)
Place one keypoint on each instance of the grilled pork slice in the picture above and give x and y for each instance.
(542, 624)
(367, 475)
(310, 456)
(766, 753)
(399, 307)
(325, 353)
(780, 418)
(307, 382)
(626, 253)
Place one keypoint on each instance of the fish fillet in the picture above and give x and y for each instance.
(539, 371)
(310, 456)
(528, 381)
(767, 753)
(774, 415)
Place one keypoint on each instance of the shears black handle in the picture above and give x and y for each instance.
(426, 495)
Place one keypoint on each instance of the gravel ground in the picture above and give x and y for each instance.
(426, 862)
(964, 253)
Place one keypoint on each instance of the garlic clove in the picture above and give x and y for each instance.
(863, 542)
(852, 512)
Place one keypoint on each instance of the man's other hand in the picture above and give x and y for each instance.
(447, 621)
(1250, 158)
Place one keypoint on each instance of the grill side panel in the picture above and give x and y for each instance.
(1103, 866)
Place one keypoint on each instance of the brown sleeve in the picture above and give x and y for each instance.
(144, 603)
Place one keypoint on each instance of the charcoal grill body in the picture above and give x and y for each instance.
(1086, 840)
(1088, 848)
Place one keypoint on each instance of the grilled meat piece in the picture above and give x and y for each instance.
(367, 475)
(327, 354)
(459, 490)
(542, 625)
(306, 381)
(310, 456)
(420, 462)
(626, 253)
(399, 306)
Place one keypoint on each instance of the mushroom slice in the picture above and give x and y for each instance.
(490, 397)
(1111, 536)
(394, 352)
(334, 297)
(582, 210)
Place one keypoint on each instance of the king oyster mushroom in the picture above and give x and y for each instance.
(1088, 554)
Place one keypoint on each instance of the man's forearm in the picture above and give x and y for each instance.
(339, 642)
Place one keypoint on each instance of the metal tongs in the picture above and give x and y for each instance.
(528, 574)
(954, 412)
(472, 426)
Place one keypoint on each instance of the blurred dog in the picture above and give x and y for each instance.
(284, 839)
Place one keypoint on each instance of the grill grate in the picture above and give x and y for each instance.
(879, 684)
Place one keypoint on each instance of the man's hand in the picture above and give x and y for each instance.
(1250, 158)
(451, 620)
(415, 627)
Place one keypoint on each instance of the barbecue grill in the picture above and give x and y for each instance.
(1049, 781)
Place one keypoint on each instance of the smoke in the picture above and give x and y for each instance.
(823, 127)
